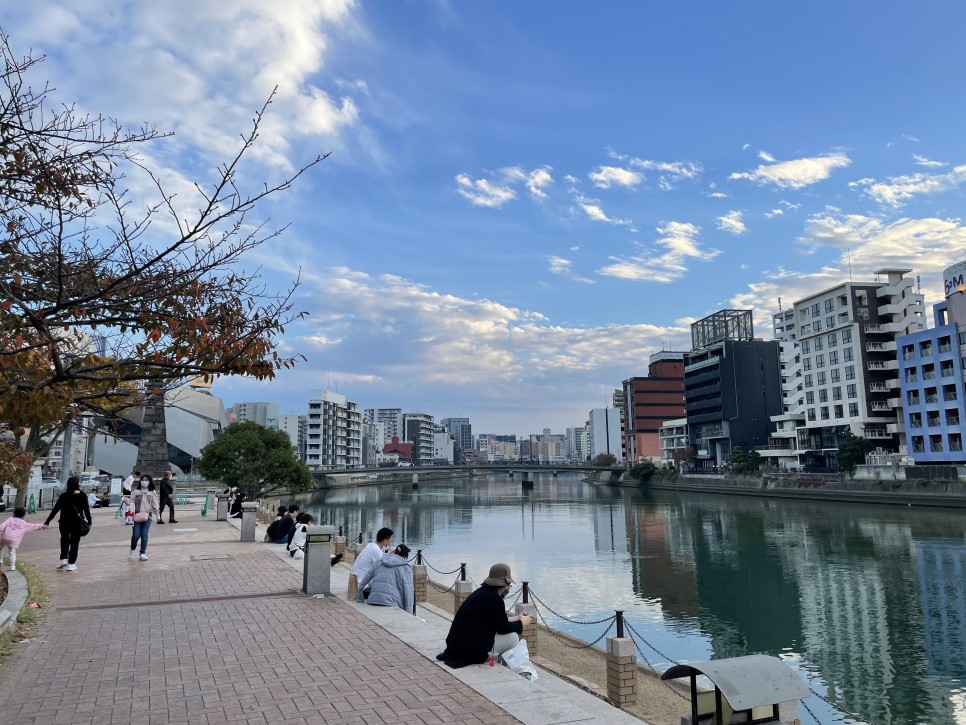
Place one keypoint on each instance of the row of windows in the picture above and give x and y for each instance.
(926, 347)
(829, 306)
(936, 444)
(850, 391)
(932, 395)
(946, 370)
(933, 418)
(834, 376)
(836, 412)
(831, 338)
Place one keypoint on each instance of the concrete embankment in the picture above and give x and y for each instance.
(941, 493)
(325, 479)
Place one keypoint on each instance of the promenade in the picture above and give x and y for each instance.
(211, 631)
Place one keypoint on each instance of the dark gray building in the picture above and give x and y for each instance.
(732, 386)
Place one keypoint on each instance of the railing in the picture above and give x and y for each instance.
(877, 433)
(874, 347)
(934, 422)
(932, 399)
(915, 424)
(936, 447)
(926, 351)
(950, 396)
(874, 328)
(701, 364)
(879, 405)
(952, 420)
(928, 374)
(948, 372)
(878, 388)
(945, 348)
(918, 449)
(912, 378)
(908, 356)
(955, 446)
(876, 365)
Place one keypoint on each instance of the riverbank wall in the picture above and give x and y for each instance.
(815, 487)
(338, 479)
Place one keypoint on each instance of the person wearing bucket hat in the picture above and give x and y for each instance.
(481, 624)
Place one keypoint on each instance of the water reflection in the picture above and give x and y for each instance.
(867, 601)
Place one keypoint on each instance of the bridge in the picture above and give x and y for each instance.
(404, 474)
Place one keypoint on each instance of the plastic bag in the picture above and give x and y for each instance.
(517, 656)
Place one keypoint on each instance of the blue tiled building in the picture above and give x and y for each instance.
(931, 364)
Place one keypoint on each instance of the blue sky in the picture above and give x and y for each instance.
(524, 200)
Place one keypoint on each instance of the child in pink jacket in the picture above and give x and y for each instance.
(12, 531)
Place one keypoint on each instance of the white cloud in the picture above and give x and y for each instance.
(481, 192)
(745, 146)
(898, 189)
(564, 268)
(732, 223)
(496, 193)
(592, 209)
(680, 240)
(782, 207)
(136, 61)
(923, 161)
(766, 157)
(907, 137)
(796, 174)
(607, 176)
(669, 173)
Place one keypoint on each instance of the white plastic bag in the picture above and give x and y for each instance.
(517, 656)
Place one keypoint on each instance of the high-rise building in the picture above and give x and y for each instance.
(604, 432)
(333, 438)
(931, 365)
(497, 447)
(650, 401)
(390, 422)
(731, 386)
(265, 414)
(577, 449)
(461, 431)
(418, 428)
(443, 445)
(295, 426)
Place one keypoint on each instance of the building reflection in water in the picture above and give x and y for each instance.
(870, 601)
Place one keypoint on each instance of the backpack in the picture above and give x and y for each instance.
(273, 530)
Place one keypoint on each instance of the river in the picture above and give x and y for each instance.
(867, 602)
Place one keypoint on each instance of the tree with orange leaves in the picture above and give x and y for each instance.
(101, 305)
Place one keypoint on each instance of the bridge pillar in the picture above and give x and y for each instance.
(528, 479)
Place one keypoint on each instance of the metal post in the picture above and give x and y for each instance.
(419, 557)
(526, 592)
(359, 540)
(462, 572)
(620, 623)
(340, 530)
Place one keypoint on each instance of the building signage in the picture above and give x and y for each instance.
(954, 279)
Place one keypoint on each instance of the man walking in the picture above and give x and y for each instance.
(167, 492)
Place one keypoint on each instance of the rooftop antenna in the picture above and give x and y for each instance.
(779, 304)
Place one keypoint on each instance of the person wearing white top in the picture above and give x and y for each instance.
(368, 558)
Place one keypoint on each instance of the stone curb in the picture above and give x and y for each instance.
(15, 601)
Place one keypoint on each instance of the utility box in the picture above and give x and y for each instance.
(317, 564)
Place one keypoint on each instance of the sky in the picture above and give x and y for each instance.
(524, 200)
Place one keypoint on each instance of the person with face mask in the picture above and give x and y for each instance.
(73, 509)
(481, 624)
(145, 503)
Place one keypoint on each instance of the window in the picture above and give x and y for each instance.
(819, 360)
(834, 375)
(816, 310)
(850, 390)
(817, 326)
(824, 412)
(832, 341)
(833, 357)
(912, 397)
(846, 337)
(806, 329)
(820, 378)
(850, 372)
(853, 410)
(837, 411)
(808, 381)
(962, 338)
(837, 393)
(847, 354)
(830, 321)
(862, 314)
(809, 398)
(806, 347)
(807, 364)
(818, 343)
(823, 395)
(830, 305)
(811, 414)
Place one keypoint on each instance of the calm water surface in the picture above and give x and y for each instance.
(867, 602)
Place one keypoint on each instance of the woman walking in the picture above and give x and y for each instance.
(145, 502)
(73, 509)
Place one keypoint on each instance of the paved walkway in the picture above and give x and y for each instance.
(212, 631)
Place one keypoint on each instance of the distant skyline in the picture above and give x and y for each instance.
(525, 200)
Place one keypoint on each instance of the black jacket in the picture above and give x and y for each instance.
(72, 508)
(281, 528)
(166, 489)
(477, 622)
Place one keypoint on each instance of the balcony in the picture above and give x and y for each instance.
(915, 424)
(954, 446)
(936, 447)
(702, 364)
(952, 420)
(878, 388)
(948, 372)
(919, 448)
(880, 346)
(928, 374)
(881, 405)
(877, 433)
(950, 396)
(909, 378)
(931, 399)
(908, 356)
(875, 328)
(934, 422)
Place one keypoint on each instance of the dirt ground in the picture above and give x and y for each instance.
(658, 704)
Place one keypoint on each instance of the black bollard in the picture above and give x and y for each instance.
(526, 592)
(340, 530)
(620, 622)
(462, 572)
(419, 557)
(360, 538)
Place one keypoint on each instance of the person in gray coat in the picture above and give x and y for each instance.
(390, 582)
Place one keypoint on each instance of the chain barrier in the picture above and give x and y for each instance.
(441, 573)
(809, 711)
(637, 646)
(650, 646)
(438, 588)
(568, 619)
(565, 643)
(841, 709)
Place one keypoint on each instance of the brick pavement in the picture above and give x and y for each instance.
(144, 642)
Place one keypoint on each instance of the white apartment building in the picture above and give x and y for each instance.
(674, 440)
(604, 432)
(577, 448)
(840, 369)
(333, 438)
(443, 445)
(295, 427)
(389, 421)
(265, 414)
